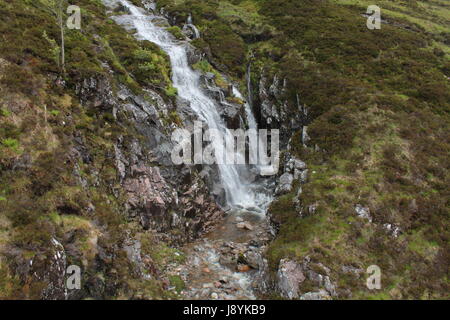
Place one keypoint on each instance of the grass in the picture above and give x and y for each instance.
(176, 32)
(430, 16)
(378, 113)
(10, 143)
(204, 66)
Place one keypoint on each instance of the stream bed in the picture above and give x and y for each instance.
(226, 263)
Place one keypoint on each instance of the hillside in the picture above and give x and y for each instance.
(84, 169)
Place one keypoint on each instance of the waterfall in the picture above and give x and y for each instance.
(239, 192)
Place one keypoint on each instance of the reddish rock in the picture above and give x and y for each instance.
(243, 268)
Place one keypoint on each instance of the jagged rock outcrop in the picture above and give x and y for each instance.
(275, 109)
(291, 275)
(150, 197)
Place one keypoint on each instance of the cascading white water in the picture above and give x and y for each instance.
(248, 104)
(239, 193)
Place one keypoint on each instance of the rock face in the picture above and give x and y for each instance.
(150, 197)
(96, 92)
(232, 113)
(172, 198)
(172, 202)
(291, 275)
(294, 170)
(275, 109)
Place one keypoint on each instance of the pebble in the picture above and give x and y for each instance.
(244, 225)
(206, 270)
(243, 268)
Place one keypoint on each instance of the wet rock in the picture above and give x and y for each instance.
(253, 258)
(191, 31)
(232, 113)
(228, 260)
(239, 219)
(120, 8)
(243, 268)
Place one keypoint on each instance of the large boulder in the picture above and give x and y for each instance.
(289, 277)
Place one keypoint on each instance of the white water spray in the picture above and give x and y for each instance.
(239, 192)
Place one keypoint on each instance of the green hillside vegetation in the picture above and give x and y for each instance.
(41, 197)
(379, 103)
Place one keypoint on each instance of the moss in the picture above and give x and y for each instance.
(4, 112)
(10, 143)
(177, 282)
(378, 113)
(176, 32)
(171, 91)
(204, 66)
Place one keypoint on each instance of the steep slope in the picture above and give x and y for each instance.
(85, 171)
(371, 122)
(85, 174)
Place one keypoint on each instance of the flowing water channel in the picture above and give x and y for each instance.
(206, 275)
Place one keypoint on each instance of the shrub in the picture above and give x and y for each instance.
(176, 32)
(11, 143)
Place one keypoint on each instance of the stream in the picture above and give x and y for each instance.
(225, 263)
